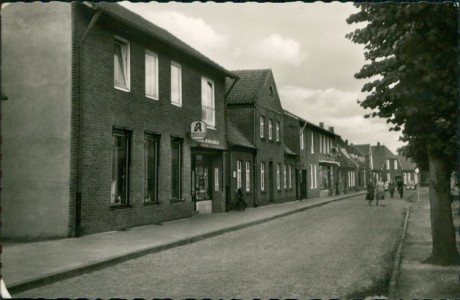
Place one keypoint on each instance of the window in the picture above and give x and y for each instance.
(121, 64)
(278, 179)
(271, 91)
(208, 107)
(262, 176)
(301, 140)
(277, 131)
(395, 164)
(151, 75)
(285, 176)
(120, 167)
(315, 176)
(270, 129)
(176, 84)
(312, 148)
(320, 143)
(216, 179)
(388, 164)
(311, 177)
(176, 168)
(151, 167)
(290, 176)
(238, 174)
(262, 127)
(248, 176)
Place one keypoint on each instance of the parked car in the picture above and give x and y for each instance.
(410, 186)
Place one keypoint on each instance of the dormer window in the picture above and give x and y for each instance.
(271, 91)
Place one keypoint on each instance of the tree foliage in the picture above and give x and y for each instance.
(411, 50)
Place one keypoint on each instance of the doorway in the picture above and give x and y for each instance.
(303, 185)
(270, 181)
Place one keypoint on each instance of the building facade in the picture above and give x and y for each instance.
(116, 97)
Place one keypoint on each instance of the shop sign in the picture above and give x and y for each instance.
(211, 142)
(198, 130)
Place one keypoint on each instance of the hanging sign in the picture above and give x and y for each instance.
(198, 130)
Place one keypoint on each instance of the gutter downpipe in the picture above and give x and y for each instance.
(95, 17)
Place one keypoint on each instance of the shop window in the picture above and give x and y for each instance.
(151, 75)
(208, 107)
(120, 167)
(151, 146)
(176, 84)
(202, 168)
(248, 176)
(121, 58)
(176, 168)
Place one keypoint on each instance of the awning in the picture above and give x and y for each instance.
(329, 162)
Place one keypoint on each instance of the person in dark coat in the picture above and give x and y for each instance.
(400, 185)
(240, 203)
(391, 188)
(370, 192)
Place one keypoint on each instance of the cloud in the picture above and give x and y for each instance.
(280, 49)
(339, 109)
(193, 31)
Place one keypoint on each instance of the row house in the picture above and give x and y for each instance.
(383, 164)
(99, 135)
(408, 170)
(254, 106)
(352, 165)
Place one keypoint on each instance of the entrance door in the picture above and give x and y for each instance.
(270, 181)
(303, 185)
(202, 180)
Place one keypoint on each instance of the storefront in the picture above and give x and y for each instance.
(328, 178)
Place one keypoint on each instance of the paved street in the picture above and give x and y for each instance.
(341, 249)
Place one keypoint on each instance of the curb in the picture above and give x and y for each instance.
(398, 258)
(97, 265)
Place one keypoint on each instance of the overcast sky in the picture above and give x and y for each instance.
(303, 43)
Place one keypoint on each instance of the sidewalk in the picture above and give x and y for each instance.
(28, 265)
(418, 280)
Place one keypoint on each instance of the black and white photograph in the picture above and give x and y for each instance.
(234, 150)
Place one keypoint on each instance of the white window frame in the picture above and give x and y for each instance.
(290, 176)
(155, 94)
(262, 176)
(311, 177)
(216, 179)
(315, 177)
(301, 140)
(248, 176)
(320, 143)
(312, 148)
(388, 164)
(205, 102)
(395, 164)
(278, 176)
(127, 72)
(179, 67)
(270, 129)
(285, 176)
(277, 131)
(262, 126)
(239, 183)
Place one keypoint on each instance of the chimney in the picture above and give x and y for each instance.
(346, 142)
(378, 144)
(321, 124)
(331, 129)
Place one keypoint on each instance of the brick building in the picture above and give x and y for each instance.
(383, 164)
(99, 138)
(253, 105)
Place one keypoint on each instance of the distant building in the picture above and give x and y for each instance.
(408, 170)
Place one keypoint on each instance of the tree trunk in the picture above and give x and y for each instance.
(442, 225)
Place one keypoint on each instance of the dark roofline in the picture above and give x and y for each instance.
(203, 59)
(310, 123)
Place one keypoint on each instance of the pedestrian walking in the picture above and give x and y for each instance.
(391, 188)
(370, 192)
(400, 185)
(240, 203)
(380, 192)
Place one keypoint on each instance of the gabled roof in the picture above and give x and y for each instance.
(406, 163)
(125, 15)
(309, 123)
(379, 154)
(364, 149)
(248, 87)
(236, 138)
